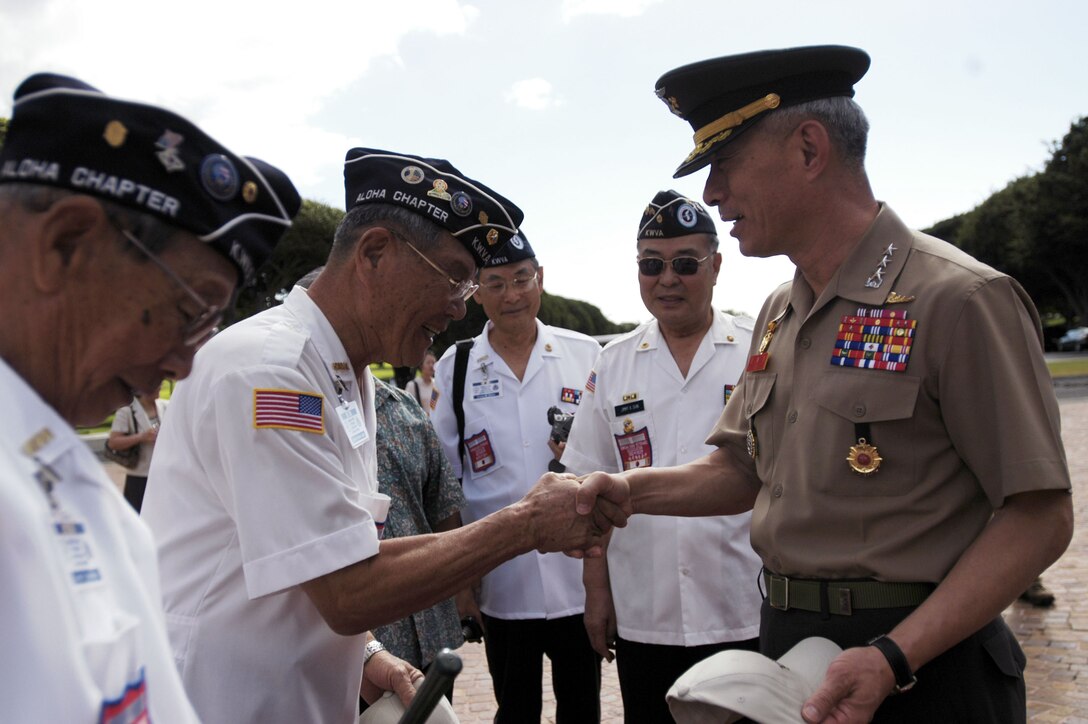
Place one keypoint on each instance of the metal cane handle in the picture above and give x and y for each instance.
(444, 669)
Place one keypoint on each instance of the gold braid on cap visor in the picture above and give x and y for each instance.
(715, 131)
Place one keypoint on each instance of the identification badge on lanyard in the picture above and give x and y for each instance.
(351, 417)
(487, 389)
(77, 551)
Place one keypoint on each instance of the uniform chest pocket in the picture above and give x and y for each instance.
(761, 443)
(879, 407)
(633, 438)
(481, 448)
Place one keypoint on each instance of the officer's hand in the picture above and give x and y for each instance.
(606, 498)
(386, 672)
(857, 681)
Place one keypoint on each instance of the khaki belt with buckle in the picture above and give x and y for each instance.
(843, 597)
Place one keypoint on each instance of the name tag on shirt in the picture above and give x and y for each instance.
(351, 417)
(76, 549)
(486, 389)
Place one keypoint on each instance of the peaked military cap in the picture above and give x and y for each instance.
(516, 250)
(670, 215)
(723, 97)
(68, 134)
(481, 219)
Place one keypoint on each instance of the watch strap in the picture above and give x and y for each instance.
(904, 677)
(372, 647)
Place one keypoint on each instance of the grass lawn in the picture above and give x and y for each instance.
(1068, 367)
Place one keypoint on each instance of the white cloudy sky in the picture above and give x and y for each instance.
(551, 102)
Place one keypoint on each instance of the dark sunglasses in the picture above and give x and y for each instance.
(685, 266)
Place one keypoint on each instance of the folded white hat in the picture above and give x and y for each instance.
(732, 685)
(389, 710)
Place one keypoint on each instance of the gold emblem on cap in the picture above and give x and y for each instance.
(492, 237)
(864, 458)
(115, 133)
(249, 192)
(720, 129)
(438, 190)
(897, 298)
(628, 426)
(483, 218)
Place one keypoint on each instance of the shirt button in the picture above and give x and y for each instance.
(859, 411)
(792, 417)
(525, 443)
(683, 448)
(685, 571)
(806, 343)
(778, 491)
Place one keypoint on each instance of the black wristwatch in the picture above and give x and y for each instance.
(904, 677)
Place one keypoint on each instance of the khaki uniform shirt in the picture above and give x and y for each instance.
(968, 418)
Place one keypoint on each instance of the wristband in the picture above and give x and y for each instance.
(904, 677)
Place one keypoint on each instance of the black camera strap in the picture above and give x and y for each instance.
(460, 369)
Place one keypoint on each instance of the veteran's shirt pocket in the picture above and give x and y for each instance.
(876, 406)
(481, 448)
(633, 434)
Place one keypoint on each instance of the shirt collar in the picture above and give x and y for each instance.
(329, 347)
(30, 422)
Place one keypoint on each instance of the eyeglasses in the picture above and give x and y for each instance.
(685, 266)
(519, 284)
(458, 289)
(198, 328)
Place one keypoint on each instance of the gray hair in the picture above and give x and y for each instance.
(841, 116)
(155, 234)
(425, 234)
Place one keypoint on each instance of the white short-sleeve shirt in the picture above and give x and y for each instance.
(506, 441)
(675, 581)
(81, 622)
(256, 487)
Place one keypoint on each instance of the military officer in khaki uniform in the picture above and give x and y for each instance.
(895, 432)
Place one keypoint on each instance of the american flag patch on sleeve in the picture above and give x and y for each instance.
(289, 410)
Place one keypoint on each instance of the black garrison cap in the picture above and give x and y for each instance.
(481, 219)
(68, 134)
(670, 215)
(723, 97)
(517, 250)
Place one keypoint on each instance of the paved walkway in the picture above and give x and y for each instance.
(1055, 639)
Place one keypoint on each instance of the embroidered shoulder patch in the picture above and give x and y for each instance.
(289, 410)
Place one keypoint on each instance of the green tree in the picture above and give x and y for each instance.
(304, 247)
(1036, 229)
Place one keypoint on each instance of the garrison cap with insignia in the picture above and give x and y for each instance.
(517, 250)
(68, 134)
(723, 97)
(670, 215)
(481, 219)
